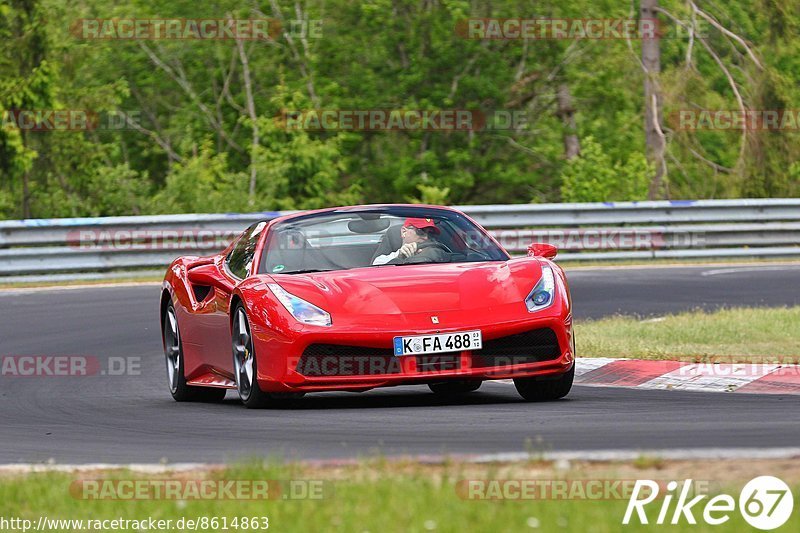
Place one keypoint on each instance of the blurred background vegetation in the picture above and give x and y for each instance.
(204, 139)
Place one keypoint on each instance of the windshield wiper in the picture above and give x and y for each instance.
(309, 271)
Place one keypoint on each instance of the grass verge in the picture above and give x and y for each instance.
(80, 282)
(738, 335)
(405, 496)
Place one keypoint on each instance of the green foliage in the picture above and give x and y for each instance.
(297, 170)
(118, 190)
(202, 184)
(195, 145)
(6, 202)
(431, 194)
(593, 177)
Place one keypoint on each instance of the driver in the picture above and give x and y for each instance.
(419, 244)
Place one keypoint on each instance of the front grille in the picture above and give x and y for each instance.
(527, 347)
(438, 362)
(345, 360)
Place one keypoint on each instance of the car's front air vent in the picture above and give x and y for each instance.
(345, 360)
(201, 292)
(528, 347)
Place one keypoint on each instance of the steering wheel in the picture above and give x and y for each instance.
(428, 244)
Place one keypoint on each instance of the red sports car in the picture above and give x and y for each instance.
(353, 298)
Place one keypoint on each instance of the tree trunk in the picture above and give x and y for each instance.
(572, 146)
(654, 136)
(251, 111)
(26, 177)
(26, 206)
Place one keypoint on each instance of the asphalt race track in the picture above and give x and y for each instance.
(131, 418)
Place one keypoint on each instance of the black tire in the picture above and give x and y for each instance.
(544, 389)
(176, 379)
(243, 353)
(249, 391)
(454, 388)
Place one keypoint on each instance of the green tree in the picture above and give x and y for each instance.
(594, 177)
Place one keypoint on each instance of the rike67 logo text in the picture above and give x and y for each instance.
(765, 503)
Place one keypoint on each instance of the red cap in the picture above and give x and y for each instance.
(421, 223)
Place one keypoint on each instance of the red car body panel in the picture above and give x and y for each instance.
(369, 307)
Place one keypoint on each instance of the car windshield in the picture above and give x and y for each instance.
(380, 237)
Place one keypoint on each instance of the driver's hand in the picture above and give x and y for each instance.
(407, 250)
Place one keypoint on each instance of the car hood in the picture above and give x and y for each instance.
(417, 288)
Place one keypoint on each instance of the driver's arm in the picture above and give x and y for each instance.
(429, 253)
(383, 259)
(407, 250)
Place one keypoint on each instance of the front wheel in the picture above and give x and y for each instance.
(173, 351)
(245, 367)
(543, 389)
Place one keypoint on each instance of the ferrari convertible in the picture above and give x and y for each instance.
(354, 298)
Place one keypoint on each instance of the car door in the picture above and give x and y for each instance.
(236, 266)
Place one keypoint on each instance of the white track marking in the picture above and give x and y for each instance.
(143, 468)
(737, 270)
(584, 365)
(629, 455)
(694, 377)
(707, 377)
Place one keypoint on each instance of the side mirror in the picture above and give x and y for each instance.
(209, 276)
(542, 249)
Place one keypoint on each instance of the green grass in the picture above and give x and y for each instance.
(744, 334)
(79, 282)
(372, 497)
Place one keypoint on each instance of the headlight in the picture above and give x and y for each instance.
(543, 293)
(303, 311)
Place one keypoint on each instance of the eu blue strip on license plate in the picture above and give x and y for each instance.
(455, 341)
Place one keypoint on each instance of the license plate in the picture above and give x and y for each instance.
(439, 343)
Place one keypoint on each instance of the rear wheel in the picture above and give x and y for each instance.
(173, 352)
(543, 389)
(454, 388)
(245, 367)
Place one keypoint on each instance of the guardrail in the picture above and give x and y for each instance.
(72, 247)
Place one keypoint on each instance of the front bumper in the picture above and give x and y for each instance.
(365, 361)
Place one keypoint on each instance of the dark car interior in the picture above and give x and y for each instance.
(289, 250)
